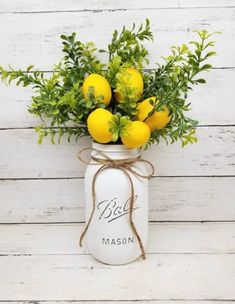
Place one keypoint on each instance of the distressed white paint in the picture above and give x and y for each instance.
(73, 5)
(21, 157)
(207, 3)
(163, 238)
(171, 199)
(34, 38)
(76, 277)
(207, 101)
(126, 302)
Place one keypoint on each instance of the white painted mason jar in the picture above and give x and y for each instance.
(110, 237)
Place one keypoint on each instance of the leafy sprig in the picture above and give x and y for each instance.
(171, 82)
(59, 97)
(127, 45)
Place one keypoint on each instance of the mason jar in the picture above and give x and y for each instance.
(110, 237)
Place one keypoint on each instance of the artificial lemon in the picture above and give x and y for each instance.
(131, 78)
(144, 108)
(159, 119)
(101, 87)
(137, 134)
(98, 125)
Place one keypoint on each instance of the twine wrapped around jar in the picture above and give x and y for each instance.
(125, 165)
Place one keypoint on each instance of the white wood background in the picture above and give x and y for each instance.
(191, 249)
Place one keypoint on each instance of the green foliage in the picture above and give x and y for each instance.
(60, 97)
(125, 50)
(127, 104)
(118, 126)
(114, 67)
(63, 110)
(127, 45)
(80, 56)
(171, 82)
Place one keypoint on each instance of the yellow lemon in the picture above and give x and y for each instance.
(131, 78)
(136, 135)
(101, 87)
(159, 119)
(98, 125)
(144, 108)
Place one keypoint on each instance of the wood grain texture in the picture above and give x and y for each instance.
(73, 5)
(206, 102)
(172, 238)
(171, 199)
(207, 3)
(123, 302)
(76, 277)
(21, 157)
(39, 44)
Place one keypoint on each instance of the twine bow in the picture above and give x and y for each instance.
(125, 165)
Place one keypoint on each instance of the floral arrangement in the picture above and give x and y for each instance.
(119, 101)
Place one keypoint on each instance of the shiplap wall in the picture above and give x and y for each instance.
(41, 187)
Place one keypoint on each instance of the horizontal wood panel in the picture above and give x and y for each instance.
(43, 5)
(211, 103)
(22, 157)
(73, 5)
(163, 238)
(207, 3)
(39, 44)
(125, 302)
(76, 277)
(171, 199)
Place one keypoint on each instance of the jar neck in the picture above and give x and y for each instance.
(114, 151)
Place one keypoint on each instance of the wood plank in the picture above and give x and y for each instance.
(21, 157)
(76, 277)
(72, 5)
(40, 44)
(171, 199)
(206, 102)
(43, 239)
(207, 3)
(124, 302)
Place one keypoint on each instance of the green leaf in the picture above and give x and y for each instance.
(209, 55)
(30, 68)
(64, 37)
(55, 112)
(200, 80)
(102, 51)
(206, 67)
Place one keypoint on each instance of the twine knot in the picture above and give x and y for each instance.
(126, 166)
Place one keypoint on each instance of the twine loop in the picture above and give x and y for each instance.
(126, 166)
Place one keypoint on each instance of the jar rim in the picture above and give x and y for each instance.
(116, 148)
